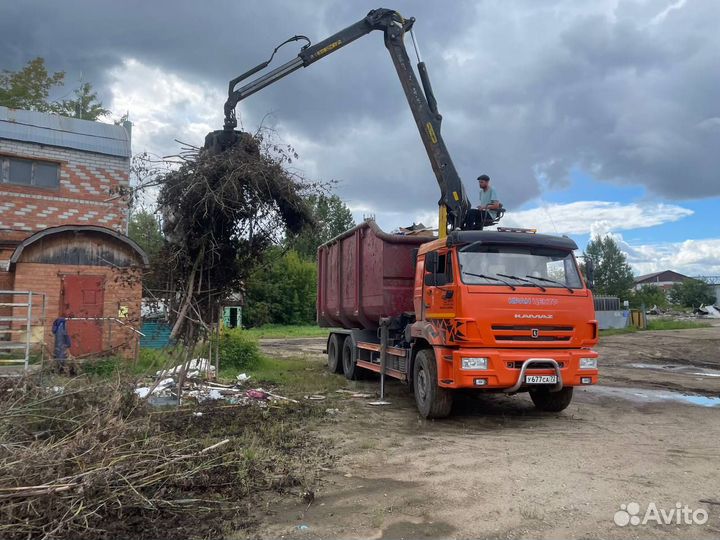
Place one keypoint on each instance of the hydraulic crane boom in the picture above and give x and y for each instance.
(454, 203)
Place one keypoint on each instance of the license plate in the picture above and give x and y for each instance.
(541, 379)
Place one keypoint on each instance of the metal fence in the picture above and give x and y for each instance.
(22, 326)
(607, 303)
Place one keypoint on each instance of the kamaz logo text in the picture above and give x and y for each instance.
(532, 316)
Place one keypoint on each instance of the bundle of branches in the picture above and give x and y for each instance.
(221, 213)
(92, 462)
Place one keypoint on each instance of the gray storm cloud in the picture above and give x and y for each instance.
(625, 90)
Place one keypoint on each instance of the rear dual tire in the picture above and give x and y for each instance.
(349, 361)
(335, 348)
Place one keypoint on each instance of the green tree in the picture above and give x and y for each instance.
(283, 292)
(30, 87)
(613, 276)
(332, 217)
(649, 295)
(144, 229)
(85, 106)
(692, 293)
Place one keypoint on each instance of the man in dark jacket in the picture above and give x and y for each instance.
(62, 342)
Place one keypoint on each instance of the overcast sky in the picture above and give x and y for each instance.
(595, 117)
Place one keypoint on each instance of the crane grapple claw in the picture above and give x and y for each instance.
(220, 140)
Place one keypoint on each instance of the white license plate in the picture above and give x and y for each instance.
(541, 379)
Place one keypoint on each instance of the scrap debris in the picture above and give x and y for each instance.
(709, 312)
(197, 387)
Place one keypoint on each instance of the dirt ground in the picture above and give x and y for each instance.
(497, 468)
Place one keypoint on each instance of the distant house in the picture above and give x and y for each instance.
(665, 279)
(63, 234)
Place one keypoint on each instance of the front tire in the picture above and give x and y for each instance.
(335, 347)
(547, 401)
(432, 400)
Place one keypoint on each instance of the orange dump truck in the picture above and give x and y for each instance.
(493, 311)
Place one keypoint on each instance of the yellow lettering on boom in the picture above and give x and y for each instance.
(334, 45)
(431, 132)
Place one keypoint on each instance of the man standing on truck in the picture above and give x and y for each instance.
(486, 212)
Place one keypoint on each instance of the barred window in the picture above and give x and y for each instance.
(28, 172)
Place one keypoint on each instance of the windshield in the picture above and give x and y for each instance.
(521, 266)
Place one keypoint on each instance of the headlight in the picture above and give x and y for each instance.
(474, 363)
(588, 363)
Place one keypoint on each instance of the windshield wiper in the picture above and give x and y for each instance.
(483, 276)
(543, 289)
(552, 281)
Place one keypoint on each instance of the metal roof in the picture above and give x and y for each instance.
(55, 130)
(79, 229)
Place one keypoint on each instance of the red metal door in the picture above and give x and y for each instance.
(83, 298)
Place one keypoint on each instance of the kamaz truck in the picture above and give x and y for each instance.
(494, 311)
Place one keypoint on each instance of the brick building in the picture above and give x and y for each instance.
(63, 225)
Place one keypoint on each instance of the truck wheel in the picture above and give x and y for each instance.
(432, 400)
(349, 366)
(335, 347)
(545, 400)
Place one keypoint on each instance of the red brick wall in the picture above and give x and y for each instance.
(6, 284)
(87, 183)
(121, 289)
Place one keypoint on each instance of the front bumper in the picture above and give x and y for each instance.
(506, 367)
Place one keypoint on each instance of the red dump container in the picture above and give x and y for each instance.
(365, 274)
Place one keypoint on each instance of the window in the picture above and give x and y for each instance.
(27, 172)
(519, 266)
(439, 268)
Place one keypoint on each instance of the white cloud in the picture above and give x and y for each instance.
(164, 106)
(595, 217)
(660, 17)
(690, 257)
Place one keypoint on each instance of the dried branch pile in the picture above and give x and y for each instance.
(221, 212)
(94, 462)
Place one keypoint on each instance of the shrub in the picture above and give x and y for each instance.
(238, 349)
(692, 293)
(649, 295)
(102, 367)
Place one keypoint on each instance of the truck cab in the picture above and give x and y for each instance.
(505, 311)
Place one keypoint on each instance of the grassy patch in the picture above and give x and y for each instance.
(670, 324)
(287, 331)
(296, 376)
(618, 331)
(657, 324)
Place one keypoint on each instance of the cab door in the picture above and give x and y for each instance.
(439, 288)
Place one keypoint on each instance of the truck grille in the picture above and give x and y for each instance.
(535, 365)
(532, 333)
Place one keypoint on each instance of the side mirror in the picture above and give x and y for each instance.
(590, 273)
